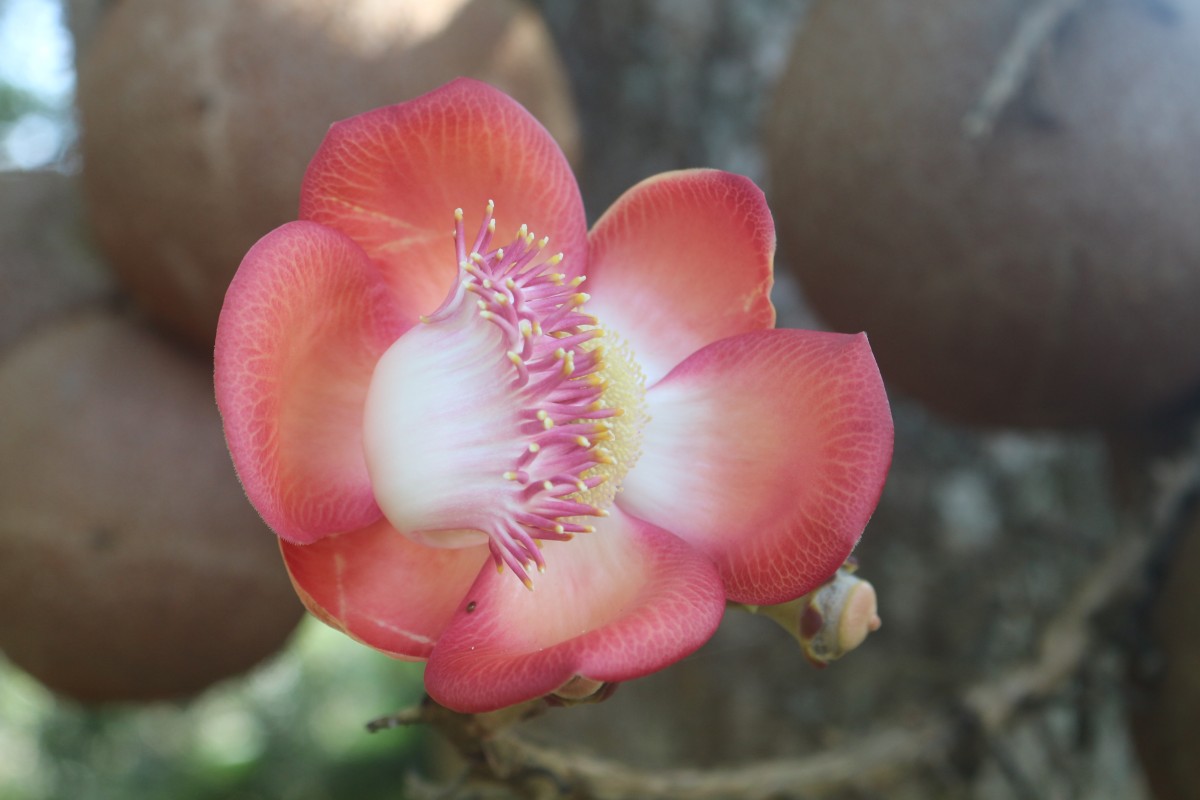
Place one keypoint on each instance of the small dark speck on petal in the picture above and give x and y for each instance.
(471, 606)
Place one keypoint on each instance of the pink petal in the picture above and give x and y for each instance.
(681, 260)
(382, 588)
(767, 451)
(305, 319)
(392, 178)
(612, 605)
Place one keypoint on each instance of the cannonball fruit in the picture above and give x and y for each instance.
(198, 119)
(1043, 273)
(131, 565)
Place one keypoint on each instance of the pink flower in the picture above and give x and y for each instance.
(666, 446)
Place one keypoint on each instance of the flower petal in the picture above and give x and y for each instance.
(767, 451)
(305, 319)
(391, 179)
(612, 605)
(681, 260)
(383, 589)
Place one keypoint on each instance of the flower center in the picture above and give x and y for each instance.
(509, 415)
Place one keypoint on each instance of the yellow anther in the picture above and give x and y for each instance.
(583, 442)
(547, 423)
(491, 206)
(525, 579)
(457, 214)
(581, 486)
(555, 259)
(589, 528)
(547, 485)
(545, 240)
(510, 284)
(559, 529)
(541, 414)
(525, 328)
(580, 298)
(556, 278)
(537, 328)
(560, 354)
(530, 238)
(487, 283)
(491, 226)
(523, 231)
(500, 298)
(424, 319)
(478, 259)
(510, 476)
(534, 447)
(499, 253)
(515, 358)
(578, 280)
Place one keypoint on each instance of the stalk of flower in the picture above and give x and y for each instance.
(471, 461)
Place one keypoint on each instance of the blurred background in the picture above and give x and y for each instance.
(1002, 195)
(39, 83)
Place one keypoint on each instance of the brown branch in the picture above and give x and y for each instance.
(1035, 27)
(1065, 643)
(874, 759)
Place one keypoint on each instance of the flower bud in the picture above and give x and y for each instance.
(831, 620)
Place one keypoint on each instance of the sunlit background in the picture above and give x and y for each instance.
(36, 83)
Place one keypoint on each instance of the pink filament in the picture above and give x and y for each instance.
(536, 312)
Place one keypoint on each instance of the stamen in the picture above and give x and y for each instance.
(573, 440)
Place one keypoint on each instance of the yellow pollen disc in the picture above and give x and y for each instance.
(624, 392)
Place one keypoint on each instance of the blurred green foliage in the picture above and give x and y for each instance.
(291, 729)
(15, 103)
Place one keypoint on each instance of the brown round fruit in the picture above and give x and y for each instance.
(131, 565)
(198, 119)
(1045, 273)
